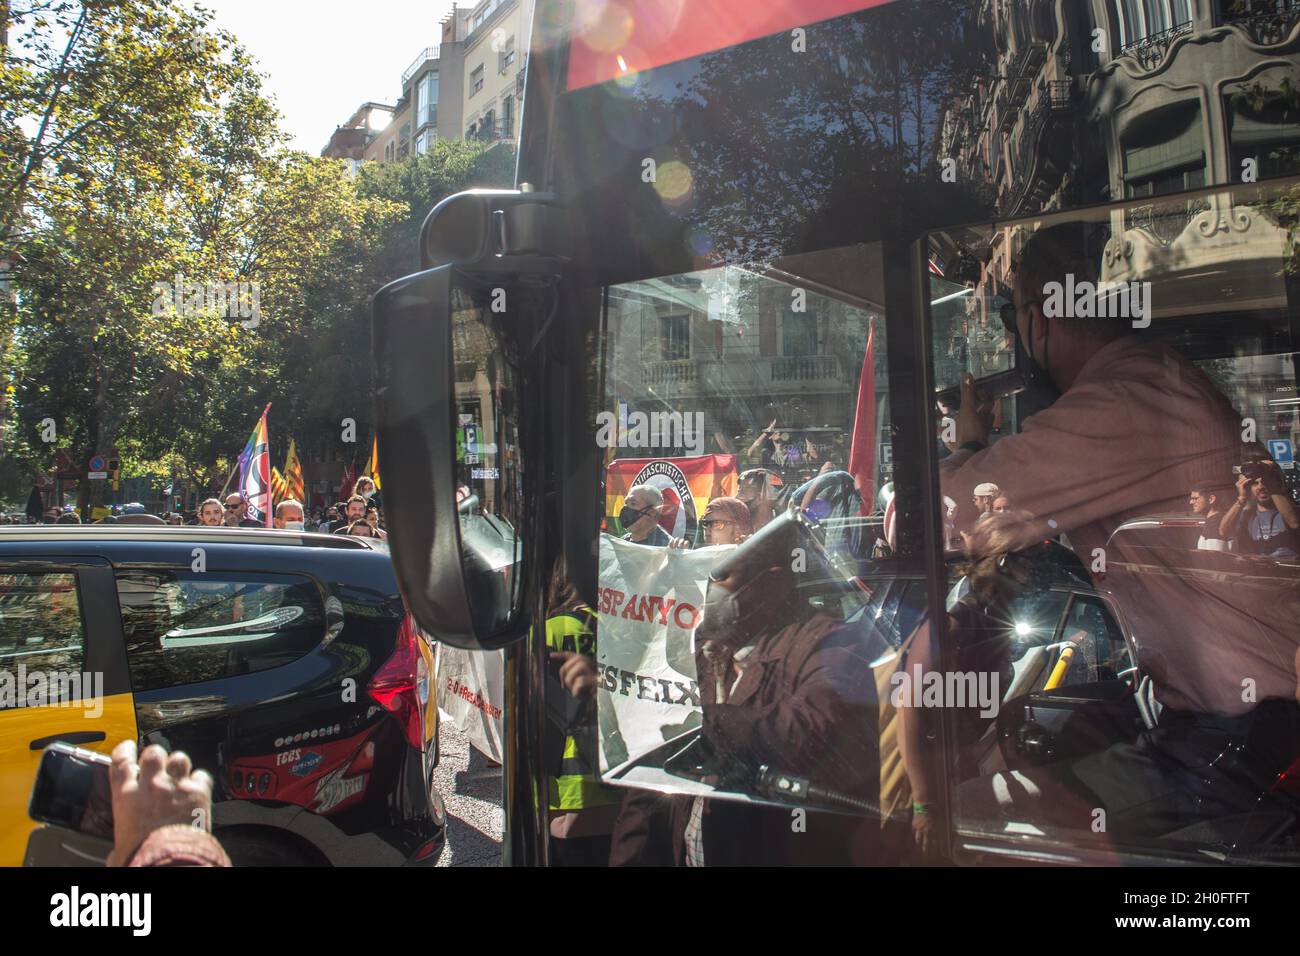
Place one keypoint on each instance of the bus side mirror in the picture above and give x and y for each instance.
(448, 408)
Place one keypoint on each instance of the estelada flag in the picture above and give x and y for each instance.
(294, 486)
(687, 484)
(255, 472)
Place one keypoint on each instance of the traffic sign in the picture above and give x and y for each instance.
(97, 463)
(1283, 452)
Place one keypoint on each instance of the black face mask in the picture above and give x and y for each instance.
(629, 516)
(737, 618)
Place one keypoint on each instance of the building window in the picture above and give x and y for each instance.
(506, 56)
(422, 144)
(798, 334)
(426, 110)
(507, 116)
(476, 79)
(1140, 19)
(669, 336)
(1164, 152)
(1264, 126)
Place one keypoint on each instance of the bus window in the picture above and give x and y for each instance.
(1166, 374)
(746, 439)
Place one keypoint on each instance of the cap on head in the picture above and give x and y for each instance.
(987, 490)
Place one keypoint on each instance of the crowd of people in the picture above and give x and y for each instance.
(361, 515)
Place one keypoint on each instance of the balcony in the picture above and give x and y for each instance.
(427, 54)
(744, 374)
(1164, 221)
(1039, 157)
(487, 132)
(1150, 51)
(805, 368)
(1266, 22)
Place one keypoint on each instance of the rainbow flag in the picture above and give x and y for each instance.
(294, 486)
(255, 472)
(687, 484)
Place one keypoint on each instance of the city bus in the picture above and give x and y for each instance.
(985, 312)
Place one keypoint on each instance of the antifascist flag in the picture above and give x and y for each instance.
(294, 486)
(687, 484)
(862, 452)
(255, 472)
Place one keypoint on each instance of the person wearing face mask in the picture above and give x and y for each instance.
(640, 517)
(289, 515)
(1134, 424)
(782, 686)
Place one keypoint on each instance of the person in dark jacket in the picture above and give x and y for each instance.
(784, 690)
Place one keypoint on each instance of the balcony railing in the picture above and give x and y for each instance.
(806, 368)
(428, 53)
(1164, 221)
(660, 374)
(1265, 21)
(487, 132)
(1150, 51)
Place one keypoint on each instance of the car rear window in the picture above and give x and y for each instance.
(182, 627)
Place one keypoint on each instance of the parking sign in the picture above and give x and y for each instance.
(1282, 451)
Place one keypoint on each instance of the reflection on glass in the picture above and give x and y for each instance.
(1154, 699)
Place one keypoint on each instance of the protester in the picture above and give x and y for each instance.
(353, 511)
(237, 513)
(68, 517)
(726, 521)
(757, 489)
(372, 519)
(640, 517)
(1001, 504)
(289, 516)
(211, 513)
(162, 810)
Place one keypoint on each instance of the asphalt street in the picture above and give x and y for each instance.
(472, 790)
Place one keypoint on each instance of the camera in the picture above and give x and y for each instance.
(1254, 470)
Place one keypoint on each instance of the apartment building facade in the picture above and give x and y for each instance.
(495, 49)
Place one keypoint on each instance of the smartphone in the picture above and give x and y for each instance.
(989, 389)
(72, 791)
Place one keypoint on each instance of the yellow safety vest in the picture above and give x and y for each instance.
(577, 786)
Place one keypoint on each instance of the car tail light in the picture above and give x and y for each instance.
(398, 684)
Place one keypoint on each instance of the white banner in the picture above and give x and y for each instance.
(650, 603)
(471, 688)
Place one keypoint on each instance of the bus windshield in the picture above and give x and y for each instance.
(945, 400)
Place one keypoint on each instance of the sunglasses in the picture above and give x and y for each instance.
(232, 507)
(713, 523)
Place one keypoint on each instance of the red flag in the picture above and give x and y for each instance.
(862, 452)
(348, 481)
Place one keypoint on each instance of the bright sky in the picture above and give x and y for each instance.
(325, 58)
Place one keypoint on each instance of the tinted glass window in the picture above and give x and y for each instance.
(40, 623)
(182, 627)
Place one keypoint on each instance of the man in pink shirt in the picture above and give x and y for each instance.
(1135, 425)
